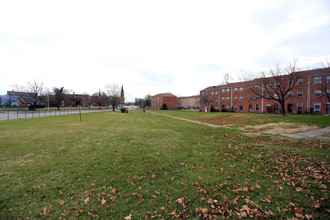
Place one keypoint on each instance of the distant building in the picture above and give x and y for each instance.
(3, 100)
(121, 99)
(158, 100)
(19, 99)
(188, 102)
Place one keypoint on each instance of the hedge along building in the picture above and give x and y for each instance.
(310, 93)
(157, 101)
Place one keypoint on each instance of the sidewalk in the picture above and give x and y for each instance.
(317, 133)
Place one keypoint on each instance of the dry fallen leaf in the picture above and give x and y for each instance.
(61, 202)
(180, 200)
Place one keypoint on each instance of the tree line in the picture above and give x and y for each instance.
(60, 97)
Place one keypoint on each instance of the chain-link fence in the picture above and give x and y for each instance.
(7, 114)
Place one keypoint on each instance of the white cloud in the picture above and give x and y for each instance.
(152, 46)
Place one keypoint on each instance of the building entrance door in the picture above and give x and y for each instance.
(328, 108)
(290, 108)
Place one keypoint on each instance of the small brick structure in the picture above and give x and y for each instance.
(158, 100)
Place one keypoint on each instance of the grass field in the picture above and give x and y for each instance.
(136, 165)
(249, 120)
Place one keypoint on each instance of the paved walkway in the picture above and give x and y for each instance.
(317, 133)
(8, 115)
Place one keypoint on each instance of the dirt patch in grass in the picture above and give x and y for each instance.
(282, 127)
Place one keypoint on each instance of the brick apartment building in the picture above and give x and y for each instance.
(158, 100)
(188, 102)
(311, 94)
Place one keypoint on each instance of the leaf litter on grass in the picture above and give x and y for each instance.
(212, 174)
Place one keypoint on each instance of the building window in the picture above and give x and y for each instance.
(276, 86)
(299, 107)
(235, 89)
(206, 93)
(241, 89)
(216, 92)
(317, 107)
(300, 82)
(317, 93)
(227, 90)
(328, 79)
(227, 108)
(223, 90)
(268, 86)
(257, 87)
(216, 100)
(257, 107)
(202, 93)
(227, 99)
(268, 96)
(235, 98)
(250, 97)
(211, 92)
(275, 96)
(235, 108)
(241, 98)
(216, 107)
(290, 94)
(223, 99)
(250, 87)
(290, 83)
(317, 80)
(299, 94)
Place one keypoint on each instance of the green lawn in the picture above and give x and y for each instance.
(137, 165)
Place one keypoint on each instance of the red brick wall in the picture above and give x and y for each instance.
(307, 100)
(158, 101)
(171, 102)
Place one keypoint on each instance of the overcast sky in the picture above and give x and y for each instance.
(155, 46)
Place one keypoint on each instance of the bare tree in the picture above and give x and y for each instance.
(99, 99)
(89, 100)
(276, 83)
(325, 78)
(35, 89)
(113, 93)
(204, 100)
(226, 79)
